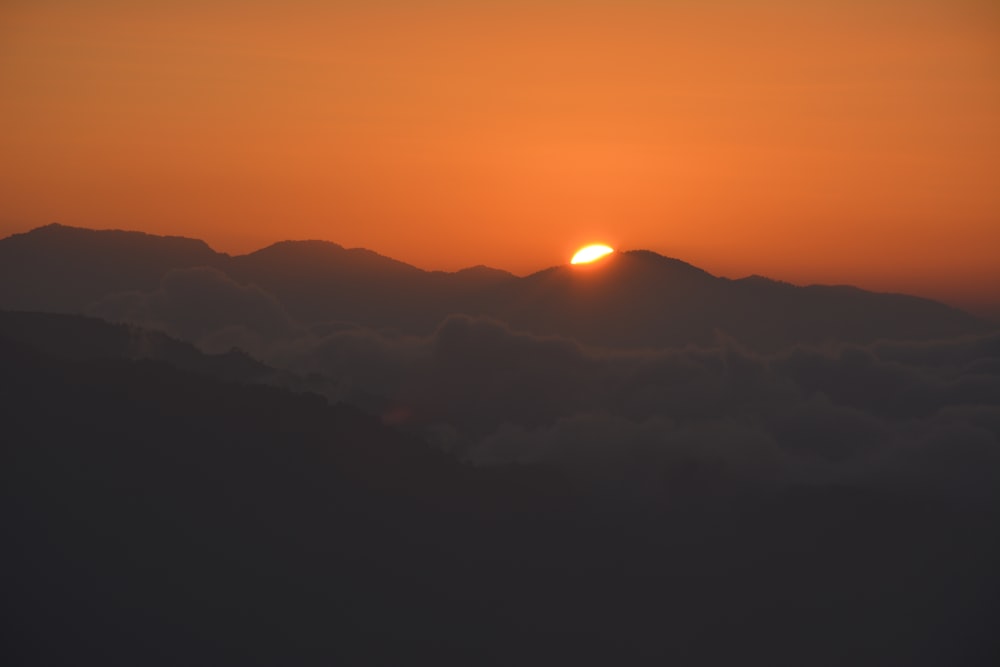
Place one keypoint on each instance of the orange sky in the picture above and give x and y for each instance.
(838, 141)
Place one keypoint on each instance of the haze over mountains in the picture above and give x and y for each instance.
(643, 349)
(630, 299)
(315, 455)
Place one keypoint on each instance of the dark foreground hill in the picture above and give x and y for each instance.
(627, 300)
(160, 516)
(77, 338)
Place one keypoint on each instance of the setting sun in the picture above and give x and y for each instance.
(591, 253)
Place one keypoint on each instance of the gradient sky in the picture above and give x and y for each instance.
(825, 141)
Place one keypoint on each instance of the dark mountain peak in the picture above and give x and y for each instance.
(52, 227)
(322, 256)
(637, 269)
(111, 239)
(483, 270)
(476, 276)
(300, 248)
(61, 268)
(757, 279)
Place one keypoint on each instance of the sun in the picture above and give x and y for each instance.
(591, 253)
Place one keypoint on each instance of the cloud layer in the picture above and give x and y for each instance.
(205, 306)
(910, 414)
(914, 414)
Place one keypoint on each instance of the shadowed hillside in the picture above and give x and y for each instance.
(155, 514)
(84, 339)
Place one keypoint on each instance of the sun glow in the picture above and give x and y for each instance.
(591, 253)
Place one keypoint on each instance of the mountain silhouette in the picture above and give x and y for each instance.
(640, 298)
(629, 299)
(318, 281)
(60, 268)
(78, 338)
(154, 513)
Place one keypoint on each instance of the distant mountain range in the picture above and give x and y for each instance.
(480, 495)
(630, 299)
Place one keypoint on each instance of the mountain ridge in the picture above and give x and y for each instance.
(631, 298)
